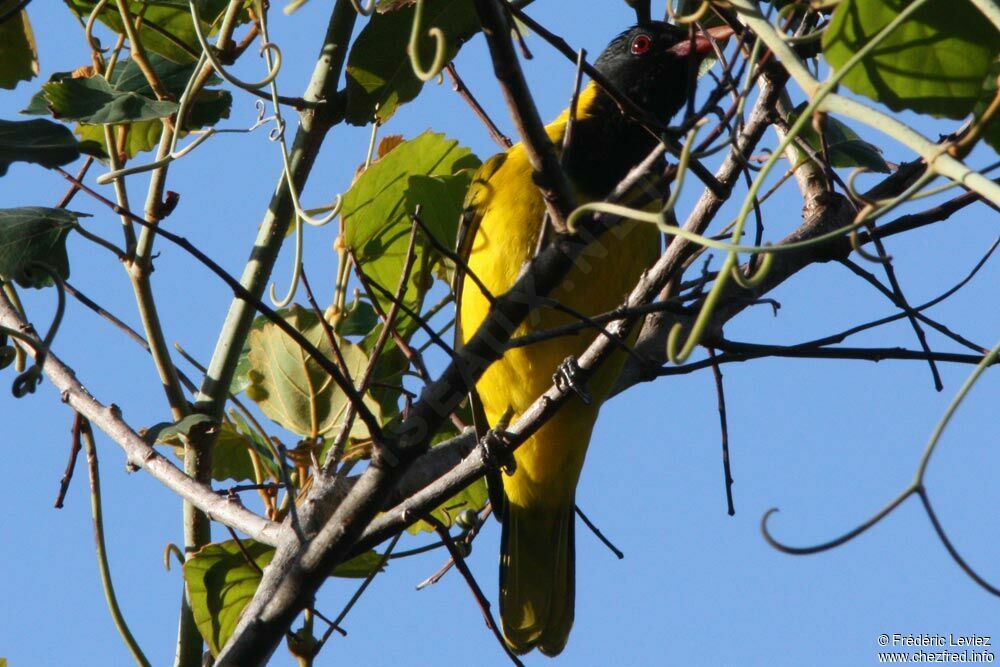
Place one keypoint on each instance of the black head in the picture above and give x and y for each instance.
(650, 63)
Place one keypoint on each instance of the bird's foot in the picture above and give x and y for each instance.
(495, 450)
(567, 376)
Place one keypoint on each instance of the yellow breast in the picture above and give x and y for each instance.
(512, 210)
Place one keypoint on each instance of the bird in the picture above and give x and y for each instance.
(651, 63)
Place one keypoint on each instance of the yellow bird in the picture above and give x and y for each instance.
(504, 211)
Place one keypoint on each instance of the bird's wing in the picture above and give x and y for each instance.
(467, 227)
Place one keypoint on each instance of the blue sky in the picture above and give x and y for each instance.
(829, 442)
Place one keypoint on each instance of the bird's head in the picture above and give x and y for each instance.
(651, 62)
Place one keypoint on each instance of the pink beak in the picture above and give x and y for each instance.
(702, 45)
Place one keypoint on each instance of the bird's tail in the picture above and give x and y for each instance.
(537, 577)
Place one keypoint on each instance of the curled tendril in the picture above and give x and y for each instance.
(265, 48)
(812, 36)
(88, 31)
(104, 179)
(756, 277)
(27, 382)
(413, 48)
(572, 223)
(717, 148)
(853, 192)
(172, 550)
(682, 165)
(296, 271)
(277, 134)
(864, 254)
(187, 98)
(916, 487)
(831, 544)
(24, 338)
(684, 19)
(262, 118)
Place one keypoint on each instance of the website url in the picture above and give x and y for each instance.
(937, 656)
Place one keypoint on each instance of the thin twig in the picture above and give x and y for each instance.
(477, 592)
(94, 306)
(598, 534)
(71, 192)
(374, 427)
(721, 398)
(549, 175)
(900, 299)
(739, 352)
(911, 314)
(74, 451)
(458, 85)
(335, 623)
(388, 328)
(243, 551)
(843, 335)
(469, 537)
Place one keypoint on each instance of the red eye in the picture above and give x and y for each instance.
(640, 45)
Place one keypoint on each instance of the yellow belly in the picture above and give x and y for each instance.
(549, 463)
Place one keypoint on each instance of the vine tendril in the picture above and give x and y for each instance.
(413, 47)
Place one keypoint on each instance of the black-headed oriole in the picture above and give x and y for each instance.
(651, 64)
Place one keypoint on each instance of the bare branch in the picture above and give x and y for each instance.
(548, 173)
(139, 453)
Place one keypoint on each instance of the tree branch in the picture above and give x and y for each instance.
(313, 127)
(548, 172)
(298, 570)
(139, 453)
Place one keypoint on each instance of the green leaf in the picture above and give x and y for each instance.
(166, 28)
(94, 100)
(472, 497)
(846, 149)
(292, 388)
(18, 55)
(40, 141)
(991, 133)
(933, 63)
(127, 98)
(388, 374)
(241, 377)
(230, 457)
(359, 567)
(34, 234)
(376, 212)
(220, 583)
(37, 105)
(359, 320)
(142, 136)
(264, 451)
(178, 434)
(440, 199)
(379, 72)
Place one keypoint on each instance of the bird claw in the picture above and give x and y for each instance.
(567, 377)
(494, 447)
